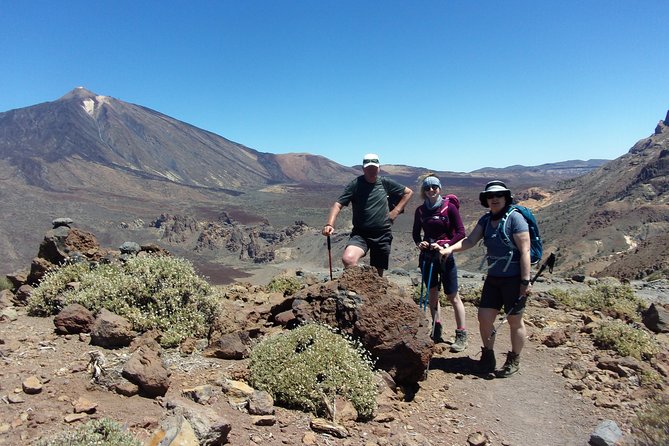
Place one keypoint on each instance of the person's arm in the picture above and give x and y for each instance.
(522, 242)
(466, 243)
(402, 203)
(415, 232)
(328, 229)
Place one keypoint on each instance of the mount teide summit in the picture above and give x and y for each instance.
(57, 144)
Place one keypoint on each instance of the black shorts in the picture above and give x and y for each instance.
(502, 291)
(378, 245)
(446, 270)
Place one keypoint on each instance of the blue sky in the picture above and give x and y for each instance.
(447, 85)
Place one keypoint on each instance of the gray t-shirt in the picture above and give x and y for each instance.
(370, 203)
(498, 252)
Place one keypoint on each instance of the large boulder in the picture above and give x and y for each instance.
(388, 323)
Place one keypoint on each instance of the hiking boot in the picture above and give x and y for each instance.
(436, 334)
(511, 365)
(460, 341)
(487, 362)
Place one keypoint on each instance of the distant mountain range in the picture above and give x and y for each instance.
(105, 162)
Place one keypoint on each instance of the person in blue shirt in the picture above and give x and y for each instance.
(507, 283)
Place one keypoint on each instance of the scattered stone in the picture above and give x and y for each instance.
(555, 339)
(72, 417)
(82, 405)
(574, 370)
(15, 398)
(74, 318)
(263, 420)
(309, 438)
(111, 330)
(606, 434)
(8, 314)
(146, 369)
(126, 388)
(200, 394)
(656, 319)
(32, 385)
(261, 403)
(129, 248)
(210, 427)
(61, 221)
(477, 439)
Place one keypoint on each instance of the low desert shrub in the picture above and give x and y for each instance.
(5, 284)
(306, 368)
(626, 340)
(651, 426)
(618, 300)
(285, 285)
(103, 432)
(159, 292)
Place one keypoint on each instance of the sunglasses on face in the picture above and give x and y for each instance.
(433, 187)
(375, 161)
(490, 195)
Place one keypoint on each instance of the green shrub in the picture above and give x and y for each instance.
(615, 300)
(471, 293)
(103, 432)
(307, 367)
(150, 291)
(285, 285)
(625, 340)
(651, 427)
(5, 284)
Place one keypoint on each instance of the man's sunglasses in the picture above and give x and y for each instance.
(432, 186)
(375, 161)
(490, 195)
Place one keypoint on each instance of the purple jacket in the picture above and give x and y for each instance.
(443, 225)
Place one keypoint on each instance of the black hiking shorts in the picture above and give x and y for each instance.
(378, 245)
(444, 273)
(501, 292)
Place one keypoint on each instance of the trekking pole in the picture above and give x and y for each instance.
(429, 279)
(422, 283)
(330, 256)
(549, 263)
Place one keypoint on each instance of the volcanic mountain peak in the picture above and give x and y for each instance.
(79, 93)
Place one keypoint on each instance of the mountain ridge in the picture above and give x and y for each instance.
(104, 162)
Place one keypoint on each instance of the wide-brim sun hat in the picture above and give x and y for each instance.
(371, 159)
(494, 186)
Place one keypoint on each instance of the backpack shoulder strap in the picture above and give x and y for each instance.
(502, 227)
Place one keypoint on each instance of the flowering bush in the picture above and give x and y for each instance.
(308, 367)
(150, 291)
(103, 432)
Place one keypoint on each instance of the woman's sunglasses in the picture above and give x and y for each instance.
(433, 187)
(490, 195)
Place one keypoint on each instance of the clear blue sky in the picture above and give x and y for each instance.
(448, 85)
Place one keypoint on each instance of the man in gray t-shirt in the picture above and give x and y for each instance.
(372, 218)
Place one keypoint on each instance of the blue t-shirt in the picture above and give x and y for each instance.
(498, 252)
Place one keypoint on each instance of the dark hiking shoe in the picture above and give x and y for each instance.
(460, 341)
(511, 366)
(487, 362)
(436, 334)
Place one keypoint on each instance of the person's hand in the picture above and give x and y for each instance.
(423, 245)
(435, 246)
(525, 290)
(393, 215)
(327, 230)
(445, 251)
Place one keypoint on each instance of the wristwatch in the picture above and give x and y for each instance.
(524, 282)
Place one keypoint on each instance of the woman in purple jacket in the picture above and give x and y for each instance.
(438, 218)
